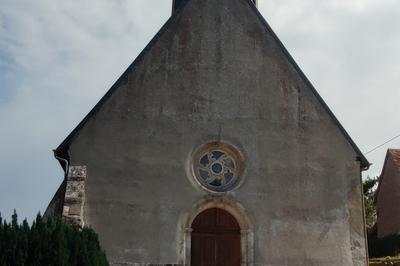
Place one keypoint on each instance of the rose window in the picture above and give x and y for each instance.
(217, 167)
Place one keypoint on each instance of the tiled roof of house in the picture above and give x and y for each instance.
(395, 157)
(392, 155)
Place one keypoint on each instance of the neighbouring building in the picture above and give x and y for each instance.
(388, 195)
(213, 148)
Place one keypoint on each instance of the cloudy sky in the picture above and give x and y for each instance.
(57, 58)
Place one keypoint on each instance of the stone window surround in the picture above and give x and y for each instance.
(229, 205)
(231, 149)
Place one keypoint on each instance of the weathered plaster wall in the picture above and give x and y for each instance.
(217, 74)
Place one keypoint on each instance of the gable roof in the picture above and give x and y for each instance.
(62, 149)
(392, 155)
(395, 154)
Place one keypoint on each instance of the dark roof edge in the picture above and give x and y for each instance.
(63, 147)
(360, 156)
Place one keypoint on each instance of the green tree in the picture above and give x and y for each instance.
(369, 188)
(48, 242)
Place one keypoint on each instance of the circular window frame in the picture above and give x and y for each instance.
(226, 148)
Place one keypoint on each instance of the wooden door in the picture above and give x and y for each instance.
(215, 239)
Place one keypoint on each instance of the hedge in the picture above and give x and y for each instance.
(48, 242)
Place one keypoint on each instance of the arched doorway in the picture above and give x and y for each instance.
(215, 239)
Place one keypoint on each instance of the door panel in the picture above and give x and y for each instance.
(215, 239)
(203, 251)
(228, 250)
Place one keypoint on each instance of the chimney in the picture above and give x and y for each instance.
(176, 3)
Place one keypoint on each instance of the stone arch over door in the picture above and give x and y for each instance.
(234, 209)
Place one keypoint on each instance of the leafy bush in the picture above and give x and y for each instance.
(369, 188)
(48, 242)
(387, 246)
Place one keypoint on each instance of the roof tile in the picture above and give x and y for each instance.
(395, 156)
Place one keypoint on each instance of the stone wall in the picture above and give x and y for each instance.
(75, 195)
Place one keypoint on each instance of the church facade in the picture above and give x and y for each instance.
(213, 148)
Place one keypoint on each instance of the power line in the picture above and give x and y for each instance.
(377, 147)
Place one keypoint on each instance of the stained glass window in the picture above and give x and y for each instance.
(217, 167)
